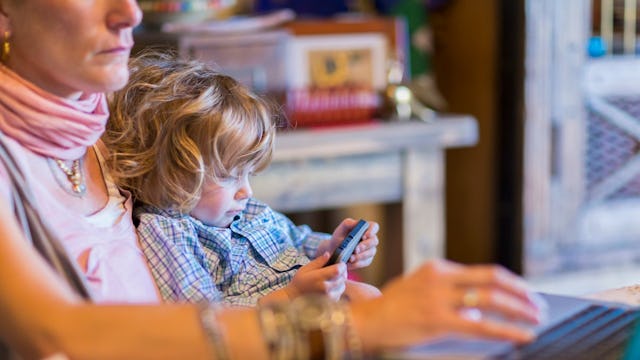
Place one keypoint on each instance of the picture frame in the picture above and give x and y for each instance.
(335, 60)
(319, 52)
(337, 69)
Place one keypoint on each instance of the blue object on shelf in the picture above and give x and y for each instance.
(597, 47)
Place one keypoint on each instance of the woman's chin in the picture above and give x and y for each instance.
(117, 80)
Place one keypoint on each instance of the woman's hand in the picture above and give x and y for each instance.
(441, 298)
(364, 251)
(314, 278)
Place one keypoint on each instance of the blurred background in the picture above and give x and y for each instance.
(551, 189)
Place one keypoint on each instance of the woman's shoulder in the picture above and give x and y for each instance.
(21, 157)
(5, 181)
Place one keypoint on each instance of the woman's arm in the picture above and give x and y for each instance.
(42, 316)
(157, 332)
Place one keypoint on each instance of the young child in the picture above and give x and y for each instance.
(185, 139)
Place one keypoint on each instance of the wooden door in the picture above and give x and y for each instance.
(582, 145)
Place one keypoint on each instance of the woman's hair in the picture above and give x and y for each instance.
(178, 122)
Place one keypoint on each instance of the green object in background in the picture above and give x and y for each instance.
(422, 82)
(415, 14)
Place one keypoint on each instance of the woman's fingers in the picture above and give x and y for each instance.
(491, 275)
(498, 283)
(497, 329)
(496, 301)
(495, 323)
(442, 297)
(499, 298)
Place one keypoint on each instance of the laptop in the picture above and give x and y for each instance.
(577, 328)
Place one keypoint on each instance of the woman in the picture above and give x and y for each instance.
(58, 58)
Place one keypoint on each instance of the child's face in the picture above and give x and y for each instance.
(221, 201)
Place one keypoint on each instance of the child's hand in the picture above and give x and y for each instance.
(366, 249)
(314, 278)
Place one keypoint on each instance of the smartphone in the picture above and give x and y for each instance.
(343, 252)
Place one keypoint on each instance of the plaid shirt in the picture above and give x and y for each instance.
(190, 261)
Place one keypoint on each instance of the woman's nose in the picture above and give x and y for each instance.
(124, 14)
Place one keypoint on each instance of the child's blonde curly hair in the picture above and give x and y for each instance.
(177, 123)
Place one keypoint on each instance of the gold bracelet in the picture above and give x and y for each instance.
(317, 328)
(309, 327)
(212, 330)
(277, 331)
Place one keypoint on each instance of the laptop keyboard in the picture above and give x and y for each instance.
(598, 332)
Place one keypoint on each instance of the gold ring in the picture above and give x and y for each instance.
(470, 298)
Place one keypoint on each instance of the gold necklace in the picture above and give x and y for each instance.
(74, 175)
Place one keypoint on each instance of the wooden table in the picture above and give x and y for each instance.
(385, 162)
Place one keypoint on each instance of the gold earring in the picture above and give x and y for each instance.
(6, 47)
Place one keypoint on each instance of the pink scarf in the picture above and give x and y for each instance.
(47, 124)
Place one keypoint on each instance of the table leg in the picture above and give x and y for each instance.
(422, 207)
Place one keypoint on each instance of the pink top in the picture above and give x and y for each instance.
(39, 126)
(106, 241)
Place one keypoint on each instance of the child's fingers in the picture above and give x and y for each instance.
(344, 227)
(339, 272)
(374, 227)
(364, 255)
(362, 259)
(335, 286)
(329, 273)
(318, 262)
(367, 243)
(335, 281)
(336, 293)
(360, 264)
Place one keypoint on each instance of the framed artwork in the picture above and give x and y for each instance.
(337, 51)
(336, 60)
(337, 69)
